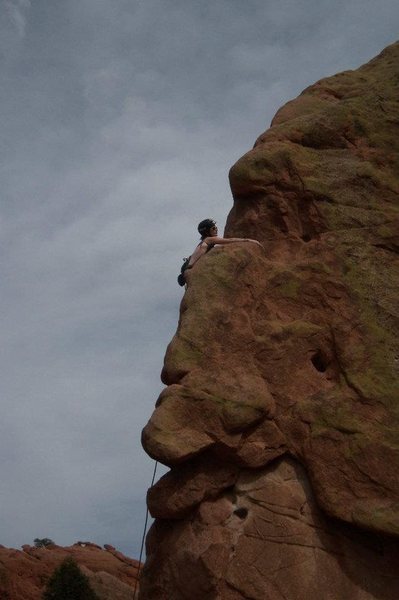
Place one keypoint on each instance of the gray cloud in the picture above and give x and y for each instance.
(13, 16)
(119, 123)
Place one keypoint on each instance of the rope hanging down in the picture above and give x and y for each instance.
(144, 533)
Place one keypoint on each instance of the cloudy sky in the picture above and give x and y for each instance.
(119, 121)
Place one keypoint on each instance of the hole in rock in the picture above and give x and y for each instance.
(306, 237)
(241, 512)
(319, 362)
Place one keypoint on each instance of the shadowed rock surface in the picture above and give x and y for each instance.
(24, 573)
(280, 416)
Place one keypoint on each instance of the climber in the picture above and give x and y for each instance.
(209, 238)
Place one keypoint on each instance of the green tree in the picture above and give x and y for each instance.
(43, 542)
(68, 583)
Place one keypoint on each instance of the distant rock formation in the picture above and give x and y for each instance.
(23, 574)
(280, 421)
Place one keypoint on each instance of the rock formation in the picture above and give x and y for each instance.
(23, 574)
(280, 417)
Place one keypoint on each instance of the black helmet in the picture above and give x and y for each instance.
(206, 225)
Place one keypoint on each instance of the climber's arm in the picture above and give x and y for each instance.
(220, 240)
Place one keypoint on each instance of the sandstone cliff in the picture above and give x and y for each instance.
(280, 416)
(23, 574)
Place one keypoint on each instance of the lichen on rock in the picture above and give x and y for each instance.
(284, 368)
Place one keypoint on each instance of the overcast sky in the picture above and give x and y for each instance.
(119, 121)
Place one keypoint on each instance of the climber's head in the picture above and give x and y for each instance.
(207, 228)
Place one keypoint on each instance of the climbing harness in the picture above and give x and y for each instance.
(144, 533)
(181, 280)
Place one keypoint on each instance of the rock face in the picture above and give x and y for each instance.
(280, 419)
(23, 574)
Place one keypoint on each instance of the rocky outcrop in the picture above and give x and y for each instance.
(23, 574)
(265, 538)
(280, 416)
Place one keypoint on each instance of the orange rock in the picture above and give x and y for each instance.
(290, 352)
(23, 574)
(266, 539)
